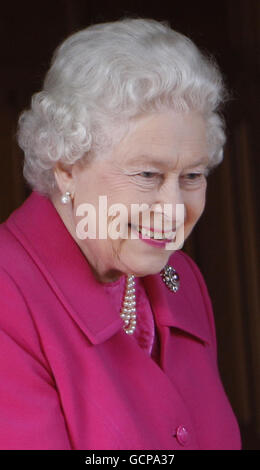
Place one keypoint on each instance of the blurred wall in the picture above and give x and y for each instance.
(224, 244)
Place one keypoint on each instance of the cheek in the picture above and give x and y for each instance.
(118, 190)
(195, 205)
(121, 191)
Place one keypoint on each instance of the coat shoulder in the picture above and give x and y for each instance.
(15, 316)
(10, 247)
(14, 258)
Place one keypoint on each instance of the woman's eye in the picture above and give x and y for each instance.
(193, 176)
(147, 174)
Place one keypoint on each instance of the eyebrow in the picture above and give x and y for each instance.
(165, 164)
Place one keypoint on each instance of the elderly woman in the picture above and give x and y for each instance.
(108, 340)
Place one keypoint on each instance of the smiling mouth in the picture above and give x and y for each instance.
(154, 235)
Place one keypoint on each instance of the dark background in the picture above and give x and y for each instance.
(224, 244)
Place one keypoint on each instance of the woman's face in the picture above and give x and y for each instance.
(162, 160)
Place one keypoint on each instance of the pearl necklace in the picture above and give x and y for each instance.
(128, 311)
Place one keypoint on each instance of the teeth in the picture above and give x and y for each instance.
(145, 232)
(151, 234)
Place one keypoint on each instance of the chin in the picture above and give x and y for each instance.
(148, 266)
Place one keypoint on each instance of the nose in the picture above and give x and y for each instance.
(170, 205)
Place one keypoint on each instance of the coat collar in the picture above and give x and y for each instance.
(39, 228)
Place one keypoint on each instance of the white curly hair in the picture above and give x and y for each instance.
(109, 74)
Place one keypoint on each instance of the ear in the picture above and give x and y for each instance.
(64, 177)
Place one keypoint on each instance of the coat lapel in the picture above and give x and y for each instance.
(39, 228)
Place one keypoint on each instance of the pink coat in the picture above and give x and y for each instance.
(70, 376)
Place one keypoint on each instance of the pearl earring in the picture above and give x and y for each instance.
(66, 198)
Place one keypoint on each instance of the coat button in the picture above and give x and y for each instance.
(182, 435)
